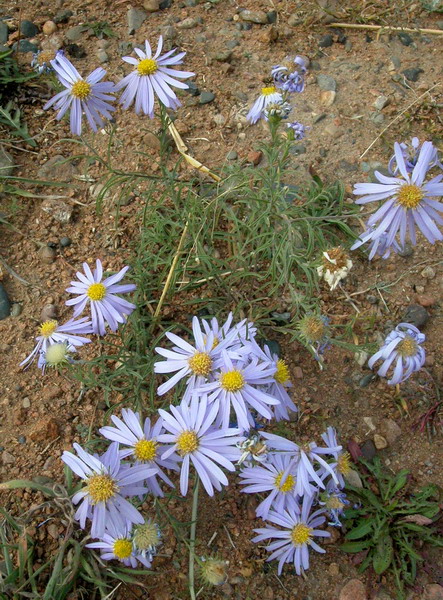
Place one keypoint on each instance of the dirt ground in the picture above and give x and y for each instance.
(43, 415)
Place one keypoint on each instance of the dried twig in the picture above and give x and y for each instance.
(385, 28)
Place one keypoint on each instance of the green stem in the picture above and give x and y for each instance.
(192, 539)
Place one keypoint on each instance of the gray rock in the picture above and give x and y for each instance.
(416, 315)
(188, 23)
(254, 16)
(369, 450)
(413, 73)
(405, 38)
(21, 439)
(124, 48)
(63, 16)
(7, 458)
(428, 272)
(5, 303)
(65, 242)
(6, 163)
(381, 102)
(390, 430)
(102, 56)
(206, 97)
(406, 251)
(295, 20)
(26, 403)
(28, 29)
(232, 155)
(60, 211)
(326, 82)
(298, 149)
(135, 17)
(191, 2)
(366, 380)
(75, 51)
(326, 41)
(192, 88)
(25, 46)
(223, 56)
(57, 168)
(377, 117)
(232, 44)
(49, 311)
(272, 16)
(4, 33)
(16, 309)
(75, 33)
(319, 118)
(348, 46)
(396, 62)
(151, 5)
(169, 33)
(165, 4)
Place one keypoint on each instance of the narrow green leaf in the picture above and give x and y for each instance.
(360, 531)
(383, 554)
(355, 546)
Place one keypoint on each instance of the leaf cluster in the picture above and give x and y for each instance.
(388, 523)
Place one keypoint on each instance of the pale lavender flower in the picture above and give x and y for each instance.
(41, 61)
(198, 443)
(411, 152)
(280, 384)
(379, 245)
(106, 306)
(277, 110)
(108, 484)
(152, 77)
(335, 501)
(116, 544)
(407, 199)
(237, 385)
(275, 476)
(296, 130)
(253, 449)
(341, 464)
(87, 96)
(52, 333)
(143, 445)
(289, 76)
(294, 540)
(196, 362)
(305, 459)
(402, 348)
(239, 334)
(268, 95)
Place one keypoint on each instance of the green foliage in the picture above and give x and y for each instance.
(11, 117)
(101, 29)
(389, 521)
(10, 73)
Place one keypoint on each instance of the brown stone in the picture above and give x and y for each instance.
(327, 97)
(380, 442)
(46, 430)
(433, 591)
(390, 430)
(353, 590)
(47, 254)
(255, 157)
(425, 300)
(49, 27)
(151, 5)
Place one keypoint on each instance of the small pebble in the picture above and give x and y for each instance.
(49, 312)
(232, 155)
(21, 439)
(47, 254)
(422, 299)
(369, 450)
(327, 97)
(380, 442)
(206, 97)
(413, 73)
(366, 380)
(16, 309)
(381, 102)
(416, 314)
(5, 303)
(65, 242)
(326, 82)
(49, 27)
(326, 41)
(26, 403)
(428, 272)
(405, 38)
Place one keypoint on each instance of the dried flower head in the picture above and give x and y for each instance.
(335, 266)
(213, 571)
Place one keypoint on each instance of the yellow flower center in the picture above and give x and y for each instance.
(81, 89)
(122, 548)
(232, 381)
(96, 291)
(146, 536)
(301, 534)
(267, 91)
(147, 66)
(145, 450)
(408, 347)
(57, 354)
(334, 503)
(200, 364)
(47, 328)
(187, 442)
(344, 463)
(288, 484)
(282, 373)
(101, 488)
(409, 195)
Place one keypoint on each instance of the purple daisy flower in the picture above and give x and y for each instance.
(277, 111)
(108, 484)
(402, 347)
(196, 362)
(106, 306)
(290, 75)
(238, 334)
(268, 95)
(143, 445)
(275, 476)
(410, 154)
(296, 131)
(198, 443)
(116, 544)
(52, 333)
(87, 96)
(294, 540)
(253, 449)
(378, 246)
(342, 459)
(152, 77)
(281, 382)
(407, 198)
(237, 385)
(305, 458)
(335, 501)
